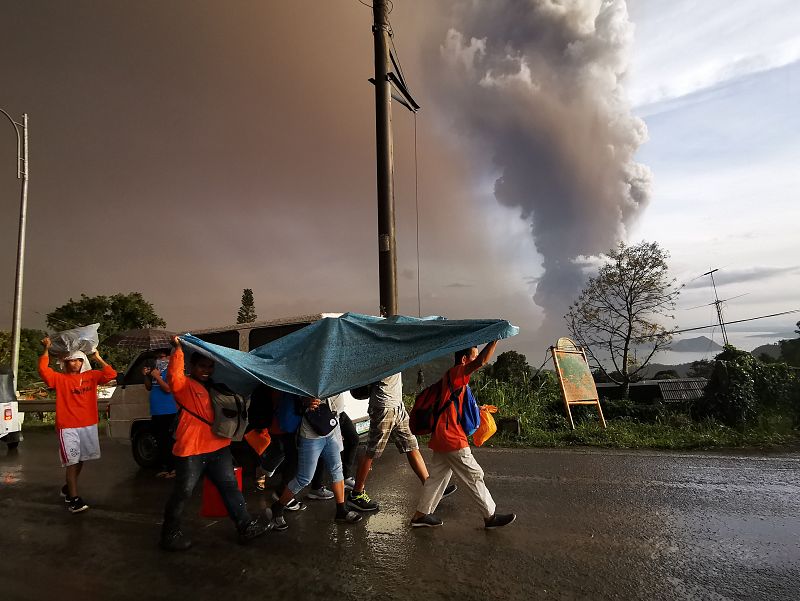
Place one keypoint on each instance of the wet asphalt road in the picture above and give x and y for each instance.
(591, 525)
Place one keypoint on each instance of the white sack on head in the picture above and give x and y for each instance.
(84, 339)
(76, 355)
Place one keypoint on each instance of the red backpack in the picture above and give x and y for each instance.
(429, 406)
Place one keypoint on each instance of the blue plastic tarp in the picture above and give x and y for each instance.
(336, 354)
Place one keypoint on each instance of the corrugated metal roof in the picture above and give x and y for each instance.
(267, 323)
(684, 389)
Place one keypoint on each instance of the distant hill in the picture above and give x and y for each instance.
(771, 350)
(701, 344)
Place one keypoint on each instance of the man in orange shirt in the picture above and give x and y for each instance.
(451, 452)
(76, 414)
(198, 451)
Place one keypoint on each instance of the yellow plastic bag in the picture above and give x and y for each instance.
(487, 428)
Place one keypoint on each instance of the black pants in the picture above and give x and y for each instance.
(217, 467)
(281, 454)
(163, 429)
(350, 444)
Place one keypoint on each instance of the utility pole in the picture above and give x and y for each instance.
(718, 305)
(22, 173)
(387, 256)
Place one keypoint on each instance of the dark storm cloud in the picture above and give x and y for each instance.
(539, 89)
(739, 276)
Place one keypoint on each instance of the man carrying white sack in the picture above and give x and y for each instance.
(76, 414)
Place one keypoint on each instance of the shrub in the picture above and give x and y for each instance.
(742, 389)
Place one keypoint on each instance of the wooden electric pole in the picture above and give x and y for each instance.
(387, 257)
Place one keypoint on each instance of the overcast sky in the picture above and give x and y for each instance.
(190, 149)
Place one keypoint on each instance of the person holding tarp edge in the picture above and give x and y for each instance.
(450, 446)
(388, 419)
(200, 451)
(76, 413)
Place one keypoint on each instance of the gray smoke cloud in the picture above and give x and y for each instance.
(538, 85)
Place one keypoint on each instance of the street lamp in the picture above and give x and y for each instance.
(21, 129)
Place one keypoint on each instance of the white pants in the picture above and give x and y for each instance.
(463, 464)
(78, 444)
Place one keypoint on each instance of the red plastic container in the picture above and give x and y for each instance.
(212, 506)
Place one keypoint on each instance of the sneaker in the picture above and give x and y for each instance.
(76, 505)
(361, 501)
(349, 483)
(254, 529)
(174, 541)
(426, 521)
(279, 523)
(449, 490)
(349, 517)
(498, 520)
(65, 494)
(320, 494)
(295, 505)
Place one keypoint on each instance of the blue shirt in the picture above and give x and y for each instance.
(161, 403)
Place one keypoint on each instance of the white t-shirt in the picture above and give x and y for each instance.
(388, 393)
(336, 403)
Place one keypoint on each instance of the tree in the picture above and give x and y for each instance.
(247, 312)
(618, 309)
(29, 351)
(511, 367)
(115, 313)
(790, 349)
(666, 374)
(702, 368)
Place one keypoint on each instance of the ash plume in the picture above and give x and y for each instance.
(538, 85)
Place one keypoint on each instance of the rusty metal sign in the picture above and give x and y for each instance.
(577, 383)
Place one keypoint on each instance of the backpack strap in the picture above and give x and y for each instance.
(440, 411)
(193, 414)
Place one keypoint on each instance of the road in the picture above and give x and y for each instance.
(592, 525)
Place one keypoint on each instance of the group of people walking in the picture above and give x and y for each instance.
(307, 437)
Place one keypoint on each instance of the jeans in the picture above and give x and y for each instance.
(310, 451)
(217, 467)
(350, 440)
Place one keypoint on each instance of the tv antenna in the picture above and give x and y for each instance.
(718, 304)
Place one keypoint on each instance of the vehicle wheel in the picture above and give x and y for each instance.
(12, 445)
(145, 448)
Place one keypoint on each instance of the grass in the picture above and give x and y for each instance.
(540, 410)
(624, 434)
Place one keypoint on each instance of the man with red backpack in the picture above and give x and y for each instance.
(450, 446)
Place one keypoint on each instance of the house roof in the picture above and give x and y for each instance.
(683, 389)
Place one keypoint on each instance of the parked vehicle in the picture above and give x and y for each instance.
(10, 416)
(129, 408)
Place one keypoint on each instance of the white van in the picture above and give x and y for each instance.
(129, 406)
(10, 415)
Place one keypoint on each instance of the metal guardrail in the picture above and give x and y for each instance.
(49, 405)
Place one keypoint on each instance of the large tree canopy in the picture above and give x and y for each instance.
(622, 307)
(115, 313)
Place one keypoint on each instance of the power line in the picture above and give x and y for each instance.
(728, 323)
